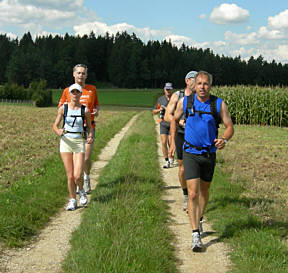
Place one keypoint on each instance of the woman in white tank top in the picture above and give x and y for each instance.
(72, 143)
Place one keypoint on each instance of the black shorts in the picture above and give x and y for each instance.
(199, 166)
(179, 145)
(164, 128)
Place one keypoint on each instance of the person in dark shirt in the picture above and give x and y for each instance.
(159, 108)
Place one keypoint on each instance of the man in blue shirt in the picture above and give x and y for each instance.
(201, 143)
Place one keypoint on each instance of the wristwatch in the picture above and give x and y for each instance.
(225, 140)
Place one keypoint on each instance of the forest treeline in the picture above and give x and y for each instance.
(125, 61)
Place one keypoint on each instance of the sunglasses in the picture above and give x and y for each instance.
(75, 92)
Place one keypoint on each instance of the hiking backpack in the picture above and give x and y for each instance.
(83, 107)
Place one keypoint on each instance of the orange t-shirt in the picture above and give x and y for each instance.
(88, 98)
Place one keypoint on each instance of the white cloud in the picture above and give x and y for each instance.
(265, 33)
(38, 15)
(53, 4)
(100, 28)
(279, 21)
(219, 44)
(229, 13)
(12, 12)
(282, 52)
(178, 40)
(241, 39)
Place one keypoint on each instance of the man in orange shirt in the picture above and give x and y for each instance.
(90, 99)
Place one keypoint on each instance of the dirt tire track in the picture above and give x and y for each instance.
(50, 248)
(215, 258)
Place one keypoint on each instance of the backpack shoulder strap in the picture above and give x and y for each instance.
(65, 105)
(190, 104)
(180, 94)
(213, 109)
(83, 109)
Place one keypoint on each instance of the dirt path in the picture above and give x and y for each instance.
(52, 245)
(215, 258)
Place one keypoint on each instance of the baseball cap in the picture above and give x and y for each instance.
(168, 85)
(75, 86)
(191, 74)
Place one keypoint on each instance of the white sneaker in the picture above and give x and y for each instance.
(166, 165)
(185, 200)
(83, 197)
(86, 184)
(197, 245)
(72, 205)
(171, 161)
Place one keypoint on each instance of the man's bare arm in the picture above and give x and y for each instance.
(174, 125)
(171, 107)
(229, 129)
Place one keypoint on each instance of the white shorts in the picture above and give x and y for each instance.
(72, 145)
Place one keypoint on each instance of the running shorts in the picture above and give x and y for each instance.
(199, 166)
(179, 141)
(72, 145)
(164, 129)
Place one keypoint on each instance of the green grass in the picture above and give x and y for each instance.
(125, 227)
(256, 245)
(123, 97)
(27, 205)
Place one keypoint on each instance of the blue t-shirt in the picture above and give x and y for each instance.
(200, 129)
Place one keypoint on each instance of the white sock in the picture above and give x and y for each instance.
(86, 175)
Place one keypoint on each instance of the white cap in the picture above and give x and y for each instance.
(191, 74)
(75, 86)
(168, 86)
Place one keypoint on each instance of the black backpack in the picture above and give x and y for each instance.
(213, 108)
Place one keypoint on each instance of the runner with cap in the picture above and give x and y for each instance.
(72, 142)
(159, 108)
(179, 141)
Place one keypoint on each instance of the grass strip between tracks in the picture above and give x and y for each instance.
(26, 207)
(125, 226)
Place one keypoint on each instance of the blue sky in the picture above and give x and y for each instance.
(232, 28)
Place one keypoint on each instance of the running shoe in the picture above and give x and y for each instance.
(185, 200)
(72, 205)
(166, 165)
(86, 185)
(197, 245)
(171, 162)
(82, 197)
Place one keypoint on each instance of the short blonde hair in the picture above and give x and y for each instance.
(206, 74)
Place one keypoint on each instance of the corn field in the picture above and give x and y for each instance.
(255, 105)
